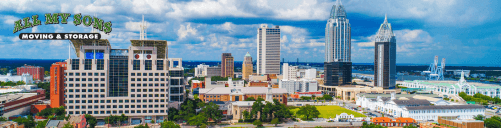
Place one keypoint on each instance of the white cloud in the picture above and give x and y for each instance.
(365, 44)
(207, 8)
(185, 30)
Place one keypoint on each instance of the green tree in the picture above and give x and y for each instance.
(142, 126)
(203, 126)
(211, 111)
(410, 126)
(250, 99)
(28, 122)
(492, 123)
(122, 118)
(152, 121)
(173, 114)
(20, 83)
(41, 124)
(197, 120)
(479, 117)
(169, 124)
(365, 125)
(258, 123)
(308, 112)
(3, 119)
(68, 125)
(92, 121)
(247, 116)
(195, 96)
(47, 73)
(275, 121)
(327, 97)
(257, 108)
(188, 108)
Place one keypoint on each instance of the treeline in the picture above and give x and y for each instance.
(480, 98)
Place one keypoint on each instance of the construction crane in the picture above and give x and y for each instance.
(435, 72)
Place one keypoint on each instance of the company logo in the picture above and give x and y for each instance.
(56, 18)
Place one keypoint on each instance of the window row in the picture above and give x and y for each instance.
(84, 85)
(85, 79)
(117, 112)
(119, 101)
(147, 90)
(147, 79)
(85, 90)
(114, 106)
(147, 74)
(148, 85)
(147, 95)
(86, 74)
(85, 96)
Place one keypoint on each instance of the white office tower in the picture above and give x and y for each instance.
(338, 36)
(302, 85)
(385, 52)
(289, 72)
(310, 74)
(268, 50)
(201, 70)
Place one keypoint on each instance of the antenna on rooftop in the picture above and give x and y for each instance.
(142, 31)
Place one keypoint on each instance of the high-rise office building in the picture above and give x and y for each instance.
(227, 65)
(139, 81)
(247, 67)
(337, 48)
(385, 51)
(289, 72)
(268, 50)
(57, 78)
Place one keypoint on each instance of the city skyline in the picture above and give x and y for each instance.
(463, 32)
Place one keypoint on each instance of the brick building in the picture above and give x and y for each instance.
(37, 72)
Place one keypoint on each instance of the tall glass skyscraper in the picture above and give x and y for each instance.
(338, 36)
(337, 48)
(385, 51)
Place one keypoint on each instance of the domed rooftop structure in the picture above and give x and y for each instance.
(246, 55)
(338, 10)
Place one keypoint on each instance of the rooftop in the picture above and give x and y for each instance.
(470, 106)
(244, 90)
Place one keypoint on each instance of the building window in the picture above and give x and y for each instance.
(136, 65)
(147, 64)
(88, 64)
(100, 65)
(74, 64)
(160, 64)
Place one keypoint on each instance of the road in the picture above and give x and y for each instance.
(296, 124)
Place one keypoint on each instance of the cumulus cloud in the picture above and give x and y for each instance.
(185, 30)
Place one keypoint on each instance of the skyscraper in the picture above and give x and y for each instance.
(247, 68)
(268, 50)
(385, 51)
(227, 65)
(337, 64)
(139, 81)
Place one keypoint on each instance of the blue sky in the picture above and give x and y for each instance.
(463, 32)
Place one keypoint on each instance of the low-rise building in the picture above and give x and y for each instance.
(37, 72)
(349, 92)
(27, 78)
(258, 84)
(398, 122)
(242, 93)
(458, 123)
(302, 85)
(417, 109)
(453, 88)
(19, 103)
(78, 121)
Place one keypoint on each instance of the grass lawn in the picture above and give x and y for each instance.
(332, 111)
